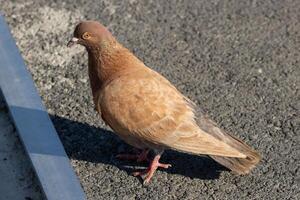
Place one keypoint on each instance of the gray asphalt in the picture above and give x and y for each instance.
(239, 60)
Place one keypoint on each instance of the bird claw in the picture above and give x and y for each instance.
(151, 170)
(165, 166)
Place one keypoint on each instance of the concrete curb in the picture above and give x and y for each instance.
(37, 133)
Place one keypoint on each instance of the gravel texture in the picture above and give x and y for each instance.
(17, 179)
(237, 59)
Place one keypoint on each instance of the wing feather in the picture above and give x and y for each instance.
(145, 108)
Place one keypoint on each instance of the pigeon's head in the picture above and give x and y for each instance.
(90, 34)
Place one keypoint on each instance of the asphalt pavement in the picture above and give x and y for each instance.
(237, 59)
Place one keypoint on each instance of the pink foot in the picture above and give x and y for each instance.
(151, 169)
(143, 156)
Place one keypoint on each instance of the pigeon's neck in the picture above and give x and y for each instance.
(110, 61)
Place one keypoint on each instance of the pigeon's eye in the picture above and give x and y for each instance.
(86, 35)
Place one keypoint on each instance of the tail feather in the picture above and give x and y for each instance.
(237, 165)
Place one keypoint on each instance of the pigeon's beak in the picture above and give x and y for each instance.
(72, 42)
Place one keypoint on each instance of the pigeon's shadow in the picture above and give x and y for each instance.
(89, 143)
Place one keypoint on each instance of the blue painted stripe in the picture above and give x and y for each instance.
(37, 133)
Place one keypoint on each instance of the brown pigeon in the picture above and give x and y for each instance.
(147, 111)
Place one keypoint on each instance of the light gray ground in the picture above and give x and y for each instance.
(17, 180)
(238, 59)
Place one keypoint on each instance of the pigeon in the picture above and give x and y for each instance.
(147, 111)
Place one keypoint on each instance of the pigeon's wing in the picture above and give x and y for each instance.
(147, 107)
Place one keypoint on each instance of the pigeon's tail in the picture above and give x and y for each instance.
(239, 165)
